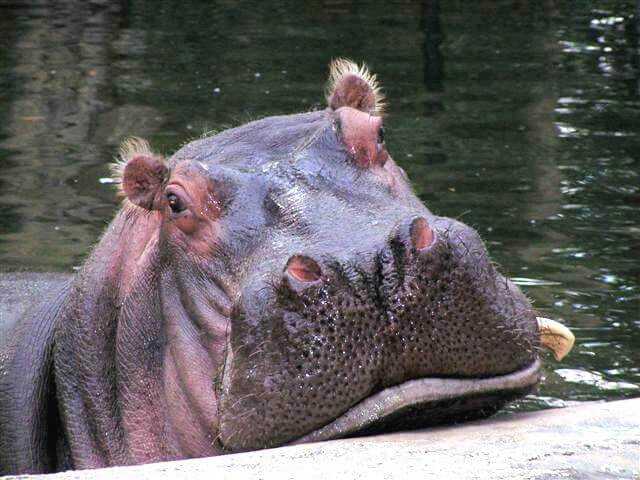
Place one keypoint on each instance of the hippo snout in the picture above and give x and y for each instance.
(429, 304)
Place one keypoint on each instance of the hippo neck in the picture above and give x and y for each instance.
(109, 350)
(153, 340)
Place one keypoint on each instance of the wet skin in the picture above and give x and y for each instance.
(275, 283)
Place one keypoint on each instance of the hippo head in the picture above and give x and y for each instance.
(280, 282)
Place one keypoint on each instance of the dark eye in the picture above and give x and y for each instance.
(381, 135)
(175, 204)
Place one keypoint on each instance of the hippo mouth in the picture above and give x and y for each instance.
(431, 401)
(427, 402)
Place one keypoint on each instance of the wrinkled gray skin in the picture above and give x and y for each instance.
(170, 345)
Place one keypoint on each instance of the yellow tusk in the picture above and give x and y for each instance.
(556, 337)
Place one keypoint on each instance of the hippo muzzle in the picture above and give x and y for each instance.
(421, 330)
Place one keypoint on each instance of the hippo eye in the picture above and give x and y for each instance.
(381, 135)
(175, 204)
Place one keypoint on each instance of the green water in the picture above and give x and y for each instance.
(520, 118)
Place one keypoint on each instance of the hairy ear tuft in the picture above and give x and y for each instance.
(139, 172)
(353, 86)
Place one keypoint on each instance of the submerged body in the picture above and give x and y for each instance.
(278, 282)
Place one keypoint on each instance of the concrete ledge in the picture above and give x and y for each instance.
(591, 441)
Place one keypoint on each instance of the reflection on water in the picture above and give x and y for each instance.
(593, 379)
(520, 118)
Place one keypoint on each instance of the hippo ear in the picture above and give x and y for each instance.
(141, 172)
(353, 86)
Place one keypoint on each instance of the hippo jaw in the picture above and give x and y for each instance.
(426, 401)
(423, 402)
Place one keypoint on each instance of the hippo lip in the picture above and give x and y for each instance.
(420, 396)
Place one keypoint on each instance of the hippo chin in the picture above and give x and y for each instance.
(272, 284)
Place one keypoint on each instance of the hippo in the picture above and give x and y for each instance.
(272, 284)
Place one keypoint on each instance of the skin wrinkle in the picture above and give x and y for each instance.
(195, 364)
(210, 310)
(138, 351)
(90, 439)
(189, 438)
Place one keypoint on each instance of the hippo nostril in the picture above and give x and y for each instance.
(421, 233)
(303, 269)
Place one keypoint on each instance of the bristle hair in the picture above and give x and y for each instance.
(129, 148)
(342, 67)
